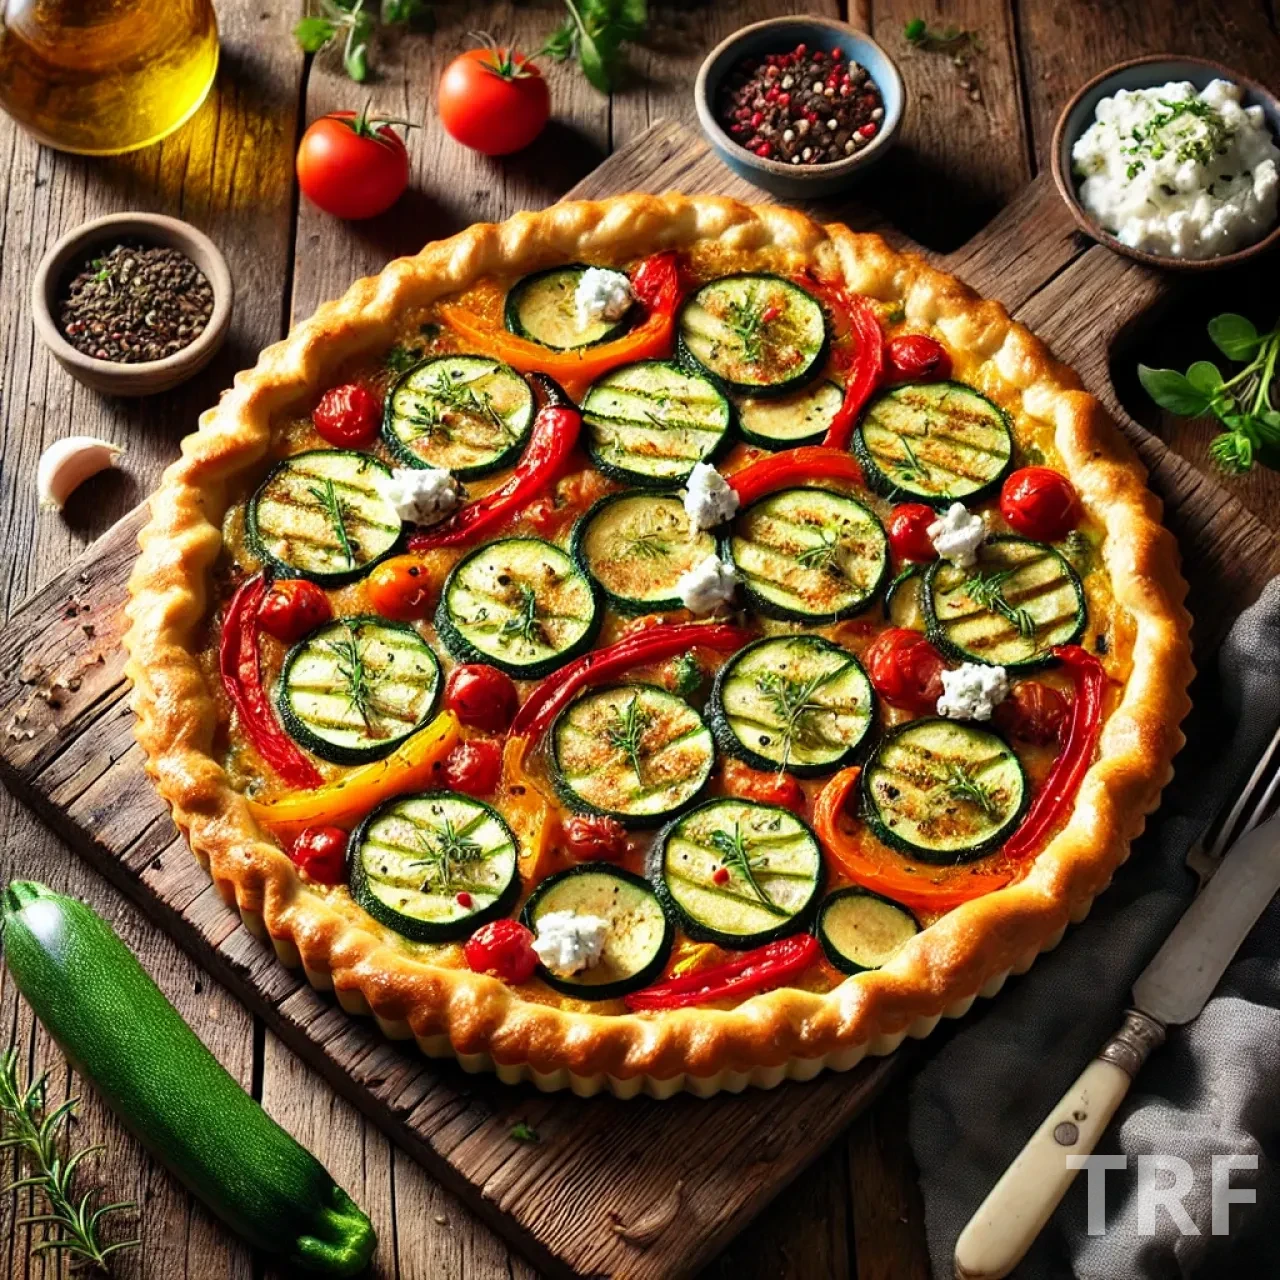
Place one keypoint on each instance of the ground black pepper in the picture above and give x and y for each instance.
(135, 303)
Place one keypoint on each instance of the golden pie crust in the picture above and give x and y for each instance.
(785, 1032)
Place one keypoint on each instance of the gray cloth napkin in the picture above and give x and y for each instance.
(1214, 1087)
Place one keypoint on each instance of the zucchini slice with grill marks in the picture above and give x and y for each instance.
(636, 546)
(520, 604)
(543, 308)
(466, 414)
(785, 422)
(756, 334)
(904, 600)
(433, 866)
(773, 865)
(941, 442)
(798, 703)
(356, 687)
(650, 423)
(1010, 609)
(809, 555)
(860, 930)
(321, 515)
(638, 939)
(633, 751)
(943, 791)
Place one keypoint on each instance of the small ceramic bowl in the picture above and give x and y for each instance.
(1145, 73)
(150, 376)
(779, 35)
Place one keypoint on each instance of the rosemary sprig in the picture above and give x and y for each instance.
(352, 670)
(523, 624)
(645, 546)
(443, 859)
(460, 397)
(987, 591)
(962, 785)
(912, 469)
(824, 557)
(735, 856)
(34, 1134)
(793, 704)
(625, 732)
(748, 319)
(327, 496)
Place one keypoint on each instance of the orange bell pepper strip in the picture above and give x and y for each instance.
(413, 766)
(530, 813)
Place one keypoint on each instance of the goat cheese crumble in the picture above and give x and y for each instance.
(972, 691)
(422, 495)
(1180, 173)
(566, 943)
(957, 534)
(601, 295)
(707, 585)
(708, 499)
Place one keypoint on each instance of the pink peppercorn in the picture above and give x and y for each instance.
(868, 130)
(837, 53)
(464, 900)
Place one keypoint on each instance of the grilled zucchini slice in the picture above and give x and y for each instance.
(785, 422)
(860, 930)
(904, 600)
(543, 308)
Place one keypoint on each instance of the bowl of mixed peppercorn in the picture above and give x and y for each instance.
(799, 106)
(133, 303)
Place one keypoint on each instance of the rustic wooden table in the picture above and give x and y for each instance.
(857, 1211)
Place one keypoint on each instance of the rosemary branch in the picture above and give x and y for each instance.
(326, 495)
(626, 730)
(735, 855)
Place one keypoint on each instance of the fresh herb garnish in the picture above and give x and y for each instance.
(987, 591)
(940, 40)
(688, 676)
(400, 359)
(326, 495)
(1151, 141)
(31, 1131)
(748, 319)
(444, 858)
(793, 704)
(645, 546)
(523, 623)
(734, 856)
(351, 668)
(962, 785)
(522, 1131)
(1245, 403)
(627, 729)
(825, 556)
(594, 33)
(912, 469)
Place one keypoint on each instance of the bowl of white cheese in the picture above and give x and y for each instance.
(1173, 161)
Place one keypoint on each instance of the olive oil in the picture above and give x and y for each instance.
(104, 76)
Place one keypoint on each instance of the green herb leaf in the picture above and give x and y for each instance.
(1205, 376)
(688, 675)
(1233, 335)
(312, 34)
(914, 30)
(1171, 391)
(401, 359)
(522, 1131)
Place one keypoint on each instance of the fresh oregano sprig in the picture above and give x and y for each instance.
(26, 1127)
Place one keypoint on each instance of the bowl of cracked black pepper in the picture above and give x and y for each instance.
(132, 304)
(799, 106)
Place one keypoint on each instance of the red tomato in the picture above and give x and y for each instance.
(905, 669)
(401, 588)
(591, 836)
(1039, 503)
(352, 166)
(915, 357)
(474, 767)
(481, 696)
(909, 531)
(291, 608)
(493, 100)
(321, 852)
(348, 416)
(768, 788)
(504, 949)
(1033, 712)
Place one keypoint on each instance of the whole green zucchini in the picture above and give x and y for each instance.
(118, 1030)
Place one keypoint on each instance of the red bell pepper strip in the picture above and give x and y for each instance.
(752, 971)
(242, 679)
(552, 440)
(650, 645)
(793, 466)
(1079, 746)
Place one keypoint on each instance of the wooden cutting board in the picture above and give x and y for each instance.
(642, 1189)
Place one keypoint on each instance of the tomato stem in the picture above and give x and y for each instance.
(366, 125)
(504, 62)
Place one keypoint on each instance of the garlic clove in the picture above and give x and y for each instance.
(66, 464)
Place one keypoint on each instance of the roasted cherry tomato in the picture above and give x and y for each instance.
(401, 588)
(591, 836)
(768, 788)
(493, 100)
(1033, 712)
(348, 416)
(905, 669)
(504, 949)
(1039, 503)
(908, 526)
(291, 608)
(913, 357)
(353, 166)
(481, 696)
(474, 767)
(321, 852)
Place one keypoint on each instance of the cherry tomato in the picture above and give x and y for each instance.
(1039, 503)
(352, 166)
(348, 416)
(913, 356)
(493, 100)
(768, 788)
(1033, 712)
(905, 669)
(293, 607)
(474, 767)
(591, 836)
(321, 852)
(909, 531)
(504, 949)
(481, 696)
(401, 588)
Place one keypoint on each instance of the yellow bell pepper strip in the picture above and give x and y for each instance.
(413, 766)
(527, 809)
